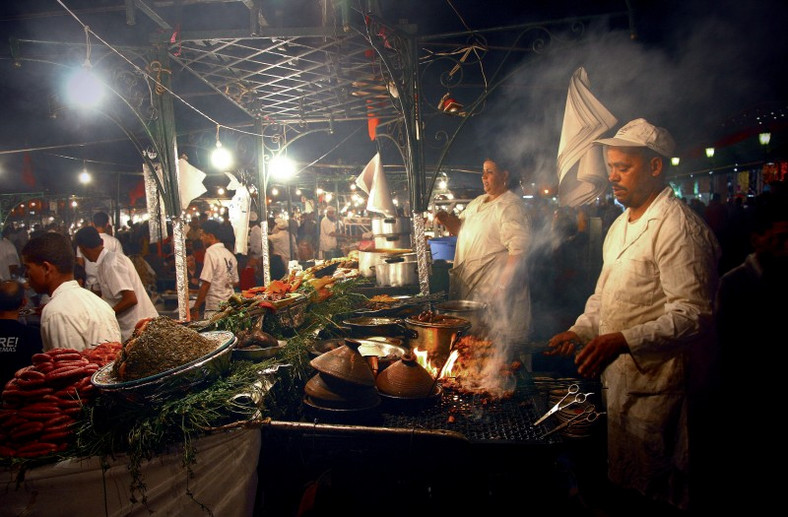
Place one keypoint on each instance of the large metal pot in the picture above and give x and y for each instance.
(436, 338)
(396, 272)
(470, 310)
(367, 259)
(390, 226)
(392, 241)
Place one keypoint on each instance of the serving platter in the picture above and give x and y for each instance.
(190, 374)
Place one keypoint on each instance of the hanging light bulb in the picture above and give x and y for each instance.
(83, 88)
(221, 158)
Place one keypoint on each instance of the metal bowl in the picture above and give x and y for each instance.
(184, 377)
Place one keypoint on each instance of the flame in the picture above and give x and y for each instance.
(423, 360)
(447, 368)
(422, 357)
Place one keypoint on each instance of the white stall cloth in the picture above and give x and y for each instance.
(225, 481)
(372, 180)
(582, 174)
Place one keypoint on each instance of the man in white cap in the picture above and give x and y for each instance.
(647, 328)
(280, 239)
(329, 228)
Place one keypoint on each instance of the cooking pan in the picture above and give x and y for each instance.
(365, 326)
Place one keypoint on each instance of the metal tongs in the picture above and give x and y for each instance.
(589, 414)
(579, 398)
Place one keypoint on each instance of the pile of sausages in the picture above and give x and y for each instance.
(42, 402)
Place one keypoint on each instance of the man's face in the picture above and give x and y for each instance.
(332, 215)
(37, 275)
(631, 175)
(493, 178)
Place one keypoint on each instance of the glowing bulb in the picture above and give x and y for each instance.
(84, 177)
(221, 158)
(84, 89)
(282, 168)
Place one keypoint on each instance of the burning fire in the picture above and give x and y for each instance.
(422, 357)
(473, 366)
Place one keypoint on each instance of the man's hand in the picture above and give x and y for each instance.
(600, 352)
(565, 344)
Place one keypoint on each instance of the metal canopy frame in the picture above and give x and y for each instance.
(355, 68)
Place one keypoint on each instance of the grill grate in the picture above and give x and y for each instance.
(476, 418)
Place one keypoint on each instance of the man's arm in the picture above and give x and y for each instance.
(201, 294)
(128, 299)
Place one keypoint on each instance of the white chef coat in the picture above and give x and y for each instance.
(76, 318)
(8, 257)
(220, 268)
(116, 273)
(490, 232)
(110, 243)
(656, 286)
(256, 241)
(328, 242)
(281, 241)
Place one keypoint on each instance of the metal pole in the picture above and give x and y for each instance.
(289, 215)
(262, 193)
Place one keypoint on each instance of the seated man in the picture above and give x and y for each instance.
(74, 317)
(18, 342)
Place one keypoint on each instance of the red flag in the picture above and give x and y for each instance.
(137, 192)
(28, 177)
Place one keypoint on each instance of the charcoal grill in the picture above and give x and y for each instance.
(389, 463)
(474, 418)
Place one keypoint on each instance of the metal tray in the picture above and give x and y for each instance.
(185, 376)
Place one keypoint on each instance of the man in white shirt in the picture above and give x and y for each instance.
(74, 317)
(219, 275)
(329, 228)
(101, 223)
(255, 236)
(9, 258)
(119, 283)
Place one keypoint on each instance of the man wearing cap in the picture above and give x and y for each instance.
(118, 281)
(280, 239)
(647, 328)
(329, 227)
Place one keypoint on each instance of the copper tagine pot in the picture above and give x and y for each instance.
(406, 378)
(345, 363)
(325, 391)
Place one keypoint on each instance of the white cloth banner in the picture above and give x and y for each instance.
(582, 174)
(239, 213)
(190, 183)
(372, 180)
